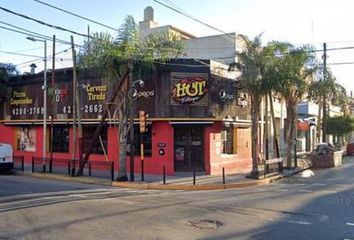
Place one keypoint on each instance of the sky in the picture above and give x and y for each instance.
(295, 21)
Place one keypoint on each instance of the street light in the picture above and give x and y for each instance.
(44, 95)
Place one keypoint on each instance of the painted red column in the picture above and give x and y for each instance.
(162, 139)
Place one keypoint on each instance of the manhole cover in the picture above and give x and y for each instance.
(205, 224)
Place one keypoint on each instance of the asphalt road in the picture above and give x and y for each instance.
(321, 207)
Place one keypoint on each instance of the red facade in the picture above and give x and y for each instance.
(195, 122)
(163, 135)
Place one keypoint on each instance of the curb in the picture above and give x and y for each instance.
(155, 186)
(171, 186)
(57, 177)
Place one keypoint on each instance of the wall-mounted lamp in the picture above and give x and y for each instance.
(139, 81)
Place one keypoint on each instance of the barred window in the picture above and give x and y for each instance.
(228, 138)
(60, 139)
(87, 135)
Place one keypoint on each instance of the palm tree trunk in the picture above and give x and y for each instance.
(291, 128)
(319, 125)
(255, 107)
(123, 129)
(276, 143)
(324, 119)
(122, 139)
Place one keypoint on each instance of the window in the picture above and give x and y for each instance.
(87, 135)
(147, 140)
(60, 139)
(228, 138)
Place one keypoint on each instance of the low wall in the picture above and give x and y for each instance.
(327, 161)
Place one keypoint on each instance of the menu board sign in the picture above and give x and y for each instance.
(26, 101)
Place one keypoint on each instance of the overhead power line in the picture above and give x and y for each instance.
(29, 55)
(340, 48)
(30, 49)
(195, 19)
(19, 54)
(76, 15)
(341, 63)
(43, 23)
(26, 32)
(39, 59)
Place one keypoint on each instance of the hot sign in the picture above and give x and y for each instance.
(188, 89)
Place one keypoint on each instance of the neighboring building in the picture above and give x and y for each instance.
(279, 117)
(198, 118)
(307, 133)
(149, 26)
(350, 111)
(221, 48)
(307, 130)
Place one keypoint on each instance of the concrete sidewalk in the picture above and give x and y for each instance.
(184, 181)
(181, 181)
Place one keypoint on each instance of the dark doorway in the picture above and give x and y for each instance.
(188, 151)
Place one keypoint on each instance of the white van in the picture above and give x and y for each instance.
(6, 157)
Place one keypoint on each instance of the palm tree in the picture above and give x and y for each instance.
(251, 65)
(120, 59)
(291, 73)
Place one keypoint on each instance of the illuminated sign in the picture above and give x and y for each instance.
(224, 96)
(189, 90)
(145, 94)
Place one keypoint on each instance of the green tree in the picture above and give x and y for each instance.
(323, 90)
(6, 71)
(339, 126)
(121, 60)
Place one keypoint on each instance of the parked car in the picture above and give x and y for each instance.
(6, 158)
(350, 148)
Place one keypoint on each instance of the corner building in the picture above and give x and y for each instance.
(197, 118)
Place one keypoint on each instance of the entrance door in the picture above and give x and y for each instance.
(189, 148)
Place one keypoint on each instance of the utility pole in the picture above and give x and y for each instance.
(44, 99)
(88, 38)
(77, 100)
(53, 62)
(77, 105)
(324, 106)
(74, 103)
(52, 114)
